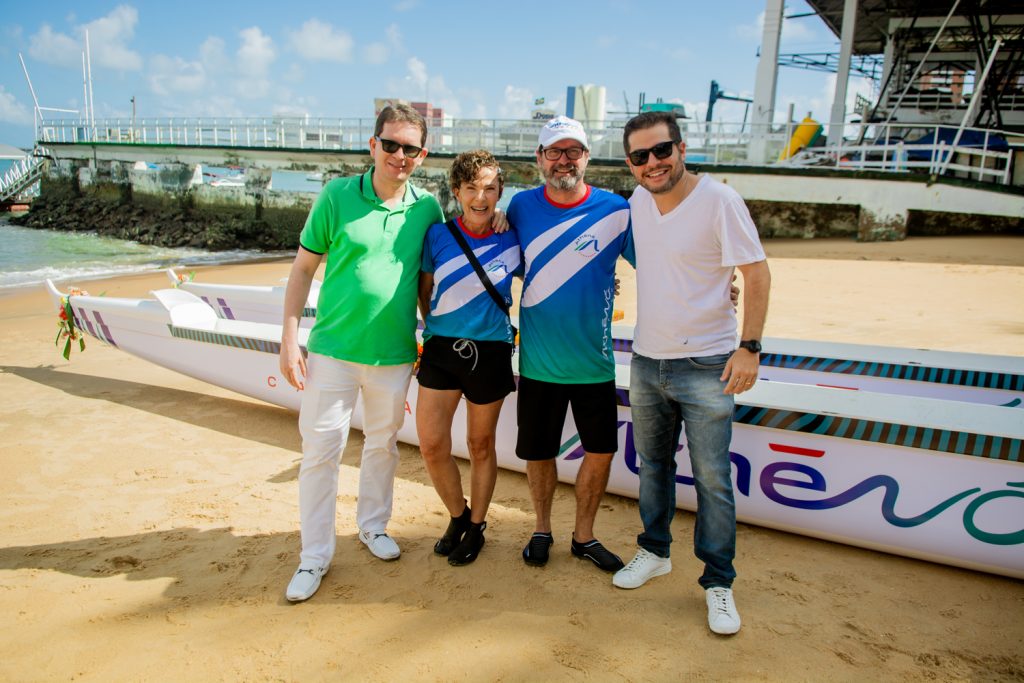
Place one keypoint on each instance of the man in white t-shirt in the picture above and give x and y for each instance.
(690, 233)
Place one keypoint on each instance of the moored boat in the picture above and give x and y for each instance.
(924, 477)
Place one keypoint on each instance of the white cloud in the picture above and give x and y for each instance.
(108, 42)
(516, 104)
(418, 85)
(108, 38)
(381, 51)
(51, 47)
(252, 62)
(406, 5)
(13, 111)
(171, 75)
(417, 72)
(214, 54)
(319, 41)
(256, 53)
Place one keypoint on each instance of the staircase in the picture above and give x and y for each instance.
(25, 173)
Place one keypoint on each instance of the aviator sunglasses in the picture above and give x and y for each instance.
(411, 151)
(662, 150)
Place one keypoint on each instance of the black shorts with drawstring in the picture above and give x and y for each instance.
(481, 370)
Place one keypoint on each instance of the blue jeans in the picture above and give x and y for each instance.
(664, 395)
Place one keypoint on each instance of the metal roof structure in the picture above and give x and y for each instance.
(972, 18)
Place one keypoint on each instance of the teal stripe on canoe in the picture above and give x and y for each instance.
(915, 373)
(888, 433)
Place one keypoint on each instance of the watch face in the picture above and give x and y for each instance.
(753, 346)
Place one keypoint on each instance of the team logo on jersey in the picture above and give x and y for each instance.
(498, 266)
(586, 245)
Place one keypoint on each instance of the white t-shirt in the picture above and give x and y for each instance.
(684, 267)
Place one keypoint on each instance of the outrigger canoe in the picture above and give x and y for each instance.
(924, 477)
(973, 378)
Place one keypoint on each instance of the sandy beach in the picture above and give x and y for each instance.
(149, 525)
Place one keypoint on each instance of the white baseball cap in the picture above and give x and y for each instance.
(563, 128)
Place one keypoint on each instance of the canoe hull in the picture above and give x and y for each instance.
(918, 477)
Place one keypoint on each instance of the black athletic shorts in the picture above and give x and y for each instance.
(481, 370)
(542, 407)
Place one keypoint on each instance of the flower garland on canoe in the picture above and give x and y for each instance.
(66, 329)
(183, 279)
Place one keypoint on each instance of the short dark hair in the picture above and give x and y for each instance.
(467, 165)
(401, 113)
(649, 119)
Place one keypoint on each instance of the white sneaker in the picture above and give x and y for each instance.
(644, 566)
(380, 544)
(305, 582)
(722, 615)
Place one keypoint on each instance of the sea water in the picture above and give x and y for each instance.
(29, 256)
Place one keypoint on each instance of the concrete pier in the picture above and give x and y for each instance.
(785, 202)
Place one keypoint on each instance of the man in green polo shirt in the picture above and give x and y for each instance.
(371, 230)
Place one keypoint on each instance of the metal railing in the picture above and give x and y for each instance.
(887, 148)
(22, 176)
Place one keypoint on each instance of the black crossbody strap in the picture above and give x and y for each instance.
(473, 261)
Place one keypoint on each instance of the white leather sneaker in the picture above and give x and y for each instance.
(722, 615)
(380, 544)
(305, 583)
(644, 566)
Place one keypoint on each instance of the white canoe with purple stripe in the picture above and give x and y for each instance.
(924, 477)
(973, 378)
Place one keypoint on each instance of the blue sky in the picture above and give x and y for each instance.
(331, 59)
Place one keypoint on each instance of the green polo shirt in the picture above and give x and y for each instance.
(366, 312)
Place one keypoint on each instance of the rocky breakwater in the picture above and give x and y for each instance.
(169, 207)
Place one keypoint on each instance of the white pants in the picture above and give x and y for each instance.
(332, 387)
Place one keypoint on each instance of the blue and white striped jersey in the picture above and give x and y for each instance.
(459, 305)
(565, 315)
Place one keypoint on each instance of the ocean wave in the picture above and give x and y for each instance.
(82, 272)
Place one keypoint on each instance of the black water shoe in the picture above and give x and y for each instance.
(536, 551)
(453, 534)
(598, 554)
(472, 543)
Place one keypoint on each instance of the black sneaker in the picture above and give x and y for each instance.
(453, 534)
(598, 554)
(472, 543)
(536, 551)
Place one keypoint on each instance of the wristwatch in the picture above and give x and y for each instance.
(752, 345)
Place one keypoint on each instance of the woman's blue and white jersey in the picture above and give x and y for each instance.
(565, 315)
(459, 305)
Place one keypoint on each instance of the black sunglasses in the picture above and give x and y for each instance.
(662, 150)
(411, 151)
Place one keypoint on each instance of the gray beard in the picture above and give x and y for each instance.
(565, 182)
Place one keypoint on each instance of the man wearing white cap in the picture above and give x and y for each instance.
(571, 235)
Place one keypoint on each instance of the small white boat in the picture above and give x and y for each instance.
(228, 181)
(923, 477)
